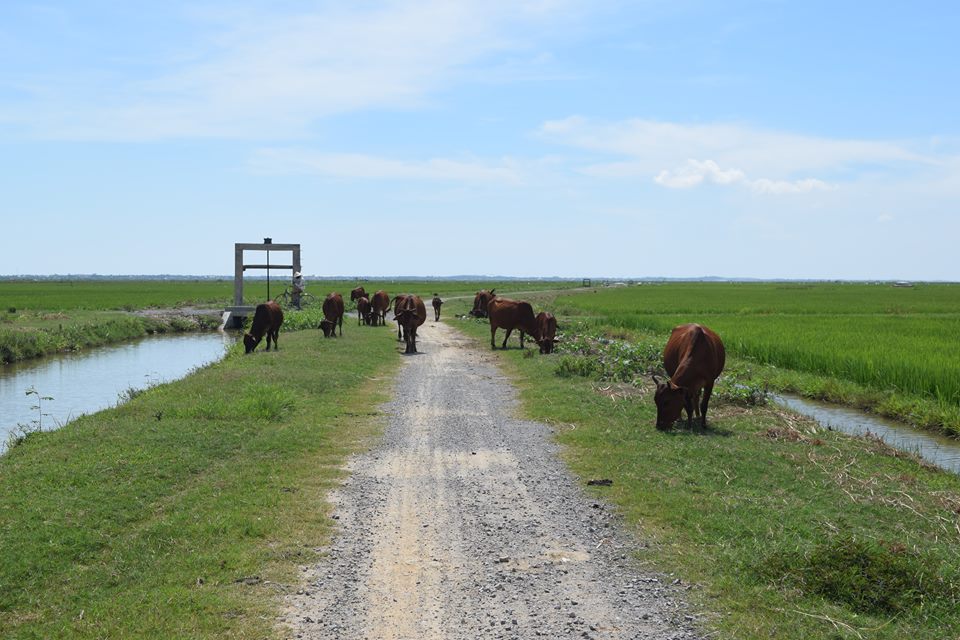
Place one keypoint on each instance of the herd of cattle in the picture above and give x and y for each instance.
(693, 358)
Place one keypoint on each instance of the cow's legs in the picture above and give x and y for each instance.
(341, 325)
(689, 402)
(493, 335)
(507, 337)
(521, 339)
(707, 392)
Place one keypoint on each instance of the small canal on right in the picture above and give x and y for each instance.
(939, 450)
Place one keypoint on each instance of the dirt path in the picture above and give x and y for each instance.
(464, 524)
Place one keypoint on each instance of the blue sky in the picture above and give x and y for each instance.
(552, 137)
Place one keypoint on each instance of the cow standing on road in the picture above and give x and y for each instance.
(693, 358)
(410, 313)
(381, 303)
(436, 307)
(509, 315)
(363, 311)
(267, 319)
(332, 315)
(397, 303)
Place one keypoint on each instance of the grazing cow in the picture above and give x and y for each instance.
(410, 313)
(357, 293)
(380, 302)
(547, 325)
(436, 307)
(397, 303)
(332, 315)
(363, 311)
(508, 315)
(694, 357)
(267, 319)
(481, 301)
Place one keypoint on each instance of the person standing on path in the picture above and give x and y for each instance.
(298, 288)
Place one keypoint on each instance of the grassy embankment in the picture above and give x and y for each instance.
(187, 511)
(782, 530)
(892, 351)
(42, 317)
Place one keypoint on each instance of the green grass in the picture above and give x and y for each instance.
(784, 531)
(897, 341)
(143, 521)
(128, 295)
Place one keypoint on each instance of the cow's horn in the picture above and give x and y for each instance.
(656, 380)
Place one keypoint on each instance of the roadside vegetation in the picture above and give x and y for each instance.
(778, 528)
(188, 510)
(885, 349)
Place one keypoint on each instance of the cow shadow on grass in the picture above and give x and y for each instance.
(681, 429)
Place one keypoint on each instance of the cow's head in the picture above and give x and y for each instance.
(249, 343)
(546, 344)
(327, 327)
(669, 400)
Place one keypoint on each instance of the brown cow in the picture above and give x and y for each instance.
(363, 311)
(381, 303)
(481, 301)
(547, 325)
(397, 303)
(267, 319)
(436, 307)
(410, 313)
(332, 315)
(357, 293)
(510, 314)
(694, 357)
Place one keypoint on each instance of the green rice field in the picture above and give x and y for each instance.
(905, 339)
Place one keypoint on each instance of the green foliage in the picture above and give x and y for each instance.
(178, 493)
(899, 341)
(866, 576)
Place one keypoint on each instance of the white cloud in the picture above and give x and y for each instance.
(650, 145)
(359, 166)
(696, 172)
(257, 74)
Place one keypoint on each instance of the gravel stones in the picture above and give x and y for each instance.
(464, 524)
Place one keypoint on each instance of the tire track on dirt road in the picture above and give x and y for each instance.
(462, 523)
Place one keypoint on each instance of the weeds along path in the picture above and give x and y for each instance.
(464, 524)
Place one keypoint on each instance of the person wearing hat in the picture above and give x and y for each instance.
(298, 288)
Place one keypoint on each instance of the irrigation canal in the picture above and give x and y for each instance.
(939, 450)
(89, 381)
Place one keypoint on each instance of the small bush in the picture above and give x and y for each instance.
(569, 366)
(867, 576)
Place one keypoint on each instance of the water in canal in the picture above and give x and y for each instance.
(939, 450)
(89, 381)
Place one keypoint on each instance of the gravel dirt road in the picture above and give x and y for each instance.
(463, 523)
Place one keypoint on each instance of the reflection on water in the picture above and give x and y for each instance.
(939, 450)
(86, 382)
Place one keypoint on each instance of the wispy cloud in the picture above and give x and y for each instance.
(776, 162)
(696, 172)
(258, 74)
(360, 166)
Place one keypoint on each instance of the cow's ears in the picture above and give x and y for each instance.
(556, 340)
(492, 290)
(656, 380)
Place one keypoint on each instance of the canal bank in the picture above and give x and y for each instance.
(45, 393)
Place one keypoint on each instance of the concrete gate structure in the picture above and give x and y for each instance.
(233, 316)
